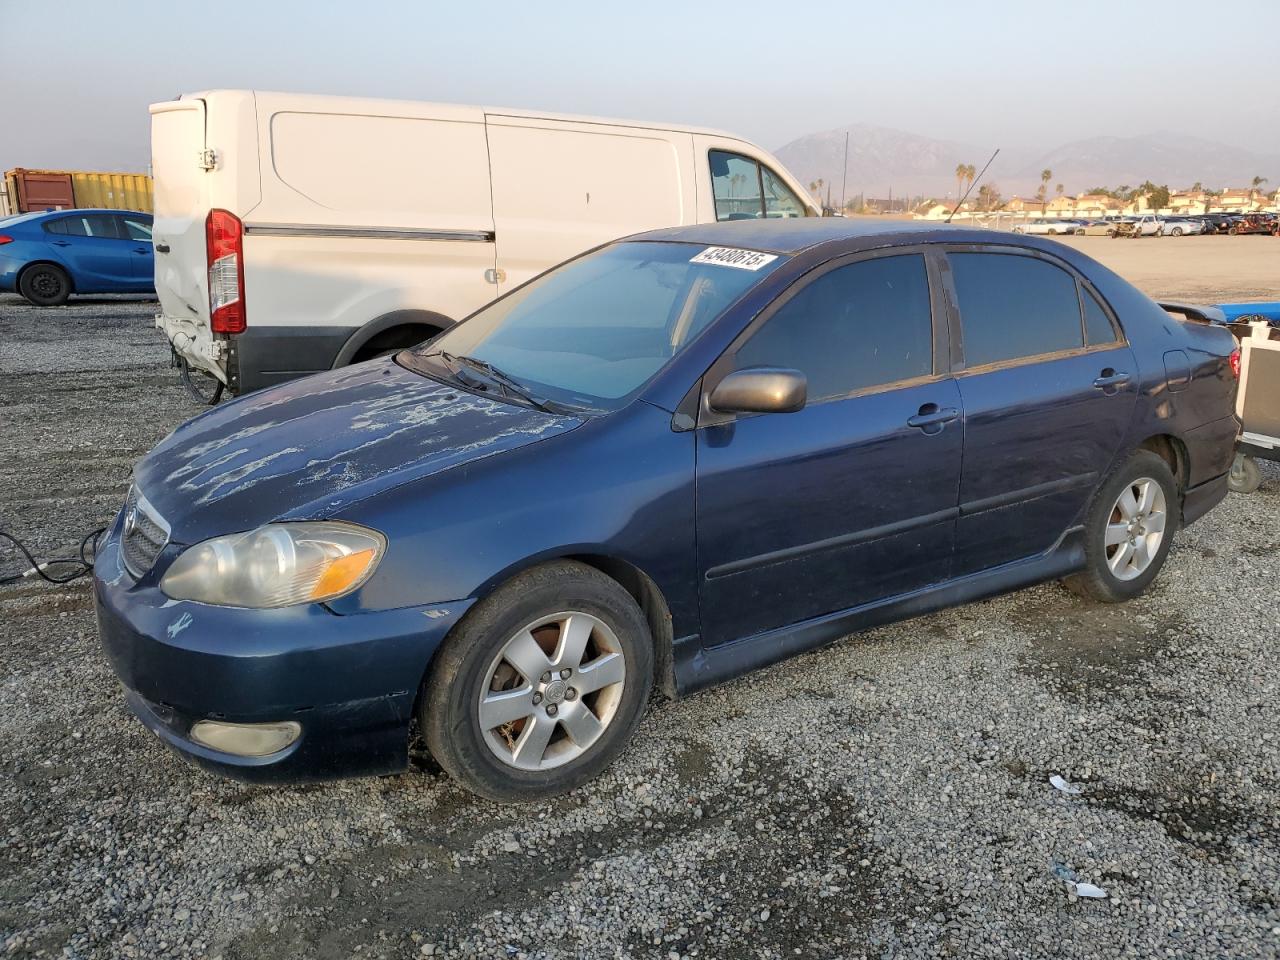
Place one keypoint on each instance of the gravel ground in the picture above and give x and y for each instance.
(887, 796)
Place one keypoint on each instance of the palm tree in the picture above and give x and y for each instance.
(962, 171)
(1253, 189)
(1045, 176)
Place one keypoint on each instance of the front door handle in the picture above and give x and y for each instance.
(141, 249)
(1110, 380)
(932, 418)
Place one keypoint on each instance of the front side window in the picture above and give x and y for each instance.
(592, 332)
(1013, 306)
(779, 200)
(136, 229)
(735, 182)
(856, 327)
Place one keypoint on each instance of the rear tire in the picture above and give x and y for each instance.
(584, 728)
(1176, 231)
(1127, 539)
(1245, 475)
(45, 285)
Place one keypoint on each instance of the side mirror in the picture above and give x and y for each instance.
(760, 390)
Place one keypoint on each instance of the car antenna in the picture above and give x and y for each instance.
(971, 186)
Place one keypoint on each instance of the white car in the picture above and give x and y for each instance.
(1049, 227)
(1177, 227)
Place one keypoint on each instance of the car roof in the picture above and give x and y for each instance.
(793, 235)
(79, 210)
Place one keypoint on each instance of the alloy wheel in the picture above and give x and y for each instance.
(551, 691)
(1136, 528)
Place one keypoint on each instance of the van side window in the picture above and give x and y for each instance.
(1014, 306)
(735, 183)
(859, 326)
(1097, 325)
(779, 200)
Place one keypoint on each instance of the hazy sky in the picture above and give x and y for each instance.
(77, 76)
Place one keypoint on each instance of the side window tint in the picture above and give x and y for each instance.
(75, 227)
(55, 226)
(735, 182)
(858, 326)
(101, 225)
(136, 229)
(1097, 325)
(779, 200)
(1014, 306)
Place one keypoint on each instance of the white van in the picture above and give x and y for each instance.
(297, 233)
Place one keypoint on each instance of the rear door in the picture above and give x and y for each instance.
(561, 188)
(136, 228)
(1048, 386)
(181, 206)
(853, 498)
(92, 245)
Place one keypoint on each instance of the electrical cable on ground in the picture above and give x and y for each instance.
(81, 565)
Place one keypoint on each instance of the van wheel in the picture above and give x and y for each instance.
(1245, 475)
(45, 285)
(541, 685)
(1129, 530)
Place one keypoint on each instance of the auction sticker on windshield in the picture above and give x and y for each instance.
(733, 257)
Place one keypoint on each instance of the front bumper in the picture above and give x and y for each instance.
(350, 681)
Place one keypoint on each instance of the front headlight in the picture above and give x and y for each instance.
(276, 565)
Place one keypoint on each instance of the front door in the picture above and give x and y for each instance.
(138, 230)
(853, 498)
(1048, 387)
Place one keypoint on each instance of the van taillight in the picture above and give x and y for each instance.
(224, 249)
(1235, 363)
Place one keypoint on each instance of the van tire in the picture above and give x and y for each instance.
(45, 285)
(1097, 580)
(460, 677)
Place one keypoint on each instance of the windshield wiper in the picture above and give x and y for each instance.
(507, 383)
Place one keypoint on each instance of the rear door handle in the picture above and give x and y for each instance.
(1110, 378)
(162, 248)
(932, 418)
(61, 243)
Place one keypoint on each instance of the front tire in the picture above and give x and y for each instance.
(1129, 530)
(45, 285)
(541, 685)
(1176, 231)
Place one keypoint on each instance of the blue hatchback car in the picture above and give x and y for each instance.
(672, 460)
(46, 257)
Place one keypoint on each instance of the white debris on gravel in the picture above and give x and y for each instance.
(882, 797)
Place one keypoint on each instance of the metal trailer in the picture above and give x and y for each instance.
(1257, 327)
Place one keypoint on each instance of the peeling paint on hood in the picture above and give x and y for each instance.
(310, 447)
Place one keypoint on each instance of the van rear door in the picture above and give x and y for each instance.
(181, 206)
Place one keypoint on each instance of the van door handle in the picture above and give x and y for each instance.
(932, 418)
(162, 248)
(1111, 379)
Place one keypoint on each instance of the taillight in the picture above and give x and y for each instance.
(4, 239)
(224, 250)
(1235, 363)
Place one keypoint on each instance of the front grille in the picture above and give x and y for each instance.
(145, 534)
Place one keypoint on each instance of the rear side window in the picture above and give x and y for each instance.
(1014, 306)
(58, 226)
(88, 225)
(1097, 325)
(859, 326)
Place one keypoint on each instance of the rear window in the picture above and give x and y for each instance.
(1097, 325)
(1013, 306)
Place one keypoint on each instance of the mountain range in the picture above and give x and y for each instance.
(883, 160)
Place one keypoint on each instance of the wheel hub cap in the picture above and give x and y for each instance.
(551, 691)
(1135, 529)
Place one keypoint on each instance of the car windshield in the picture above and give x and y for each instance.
(592, 332)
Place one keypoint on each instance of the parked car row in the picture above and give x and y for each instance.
(48, 256)
(1156, 225)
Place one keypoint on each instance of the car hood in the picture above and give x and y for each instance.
(308, 448)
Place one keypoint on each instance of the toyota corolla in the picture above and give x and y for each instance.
(672, 460)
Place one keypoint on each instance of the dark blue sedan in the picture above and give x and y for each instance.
(46, 257)
(672, 460)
